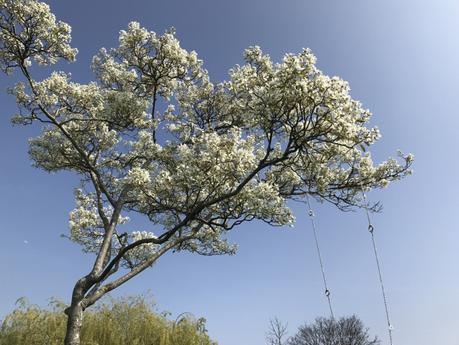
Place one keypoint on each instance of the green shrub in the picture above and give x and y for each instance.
(122, 321)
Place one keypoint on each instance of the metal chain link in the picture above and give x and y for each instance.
(378, 265)
(319, 254)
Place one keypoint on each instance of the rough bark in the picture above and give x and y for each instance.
(74, 323)
(75, 313)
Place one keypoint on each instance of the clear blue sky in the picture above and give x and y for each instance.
(401, 60)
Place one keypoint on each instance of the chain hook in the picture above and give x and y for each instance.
(370, 228)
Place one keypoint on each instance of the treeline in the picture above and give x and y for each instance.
(122, 321)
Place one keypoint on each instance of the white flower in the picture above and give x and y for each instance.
(154, 135)
(138, 177)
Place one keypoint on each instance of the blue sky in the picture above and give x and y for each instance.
(401, 60)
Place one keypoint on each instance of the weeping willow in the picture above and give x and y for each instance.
(121, 321)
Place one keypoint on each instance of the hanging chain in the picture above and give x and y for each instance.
(327, 290)
(378, 265)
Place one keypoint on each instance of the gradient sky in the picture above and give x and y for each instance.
(401, 60)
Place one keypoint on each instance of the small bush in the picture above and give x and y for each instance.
(122, 321)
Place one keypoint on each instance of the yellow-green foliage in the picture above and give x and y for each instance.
(123, 321)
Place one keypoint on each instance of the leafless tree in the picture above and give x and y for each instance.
(345, 331)
(277, 332)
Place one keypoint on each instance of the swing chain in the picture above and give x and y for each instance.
(390, 328)
(319, 254)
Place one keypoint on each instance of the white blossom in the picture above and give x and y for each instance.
(143, 251)
(155, 136)
(37, 35)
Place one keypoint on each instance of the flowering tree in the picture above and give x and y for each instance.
(153, 135)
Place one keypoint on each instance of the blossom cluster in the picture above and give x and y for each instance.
(155, 135)
(142, 252)
(31, 32)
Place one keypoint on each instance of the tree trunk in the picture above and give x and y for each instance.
(74, 322)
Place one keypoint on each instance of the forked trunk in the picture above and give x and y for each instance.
(74, 323)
